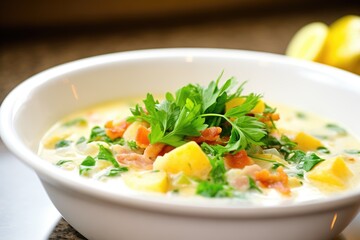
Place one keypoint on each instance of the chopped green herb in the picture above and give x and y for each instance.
(105, 154)
(352, 151)
(76, 121)
(132, 145)
(339, 130)
(276, 165)
(63, 143)
(80, 140)
(86, 165)
(323, 150)
(252, 184)
(301, 115)
(211, 190)
(116, 171)
(304, 161)
(98, 134)
(62, 162)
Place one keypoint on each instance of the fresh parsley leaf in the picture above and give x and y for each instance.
(253, 185)
(304, 161)
(116, 171)
(105, 154)
(212, 190)
(98, 134)
(63, 143)
(86, 165)
(310, 161)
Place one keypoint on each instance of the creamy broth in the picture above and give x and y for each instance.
(66, 145)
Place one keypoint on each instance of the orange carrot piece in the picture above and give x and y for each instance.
(238, 160)
(142, 137)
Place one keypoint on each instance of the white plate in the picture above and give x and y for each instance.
(26, 212)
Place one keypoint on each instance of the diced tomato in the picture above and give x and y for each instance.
(278, 180)
(238, 160)
(115, 130)
(142, 137)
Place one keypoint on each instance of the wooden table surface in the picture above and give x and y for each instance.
(24, 53)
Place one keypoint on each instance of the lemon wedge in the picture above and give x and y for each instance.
(342, 48)
(308, 43)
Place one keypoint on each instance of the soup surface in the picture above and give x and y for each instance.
(206, 142)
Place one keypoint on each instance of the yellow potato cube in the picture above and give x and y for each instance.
(259, 108)
(188, 159)
(307, 142)
(234, 103)
(294, 182)
(332, 173)
(147, 181)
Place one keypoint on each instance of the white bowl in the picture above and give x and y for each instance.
(31, 108)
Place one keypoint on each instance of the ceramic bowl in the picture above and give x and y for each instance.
(32, 107)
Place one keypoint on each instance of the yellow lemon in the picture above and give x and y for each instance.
(342, 48)
(308, 42)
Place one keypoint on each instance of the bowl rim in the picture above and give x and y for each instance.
(48, 172)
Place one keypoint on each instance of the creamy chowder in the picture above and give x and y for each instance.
(210, 142)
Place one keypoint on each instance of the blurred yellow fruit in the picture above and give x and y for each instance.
(308, 42)
(342, 48)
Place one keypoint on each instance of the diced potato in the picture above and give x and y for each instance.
(234, 103)
(307, 142)
(188, 159)
(147, 181)
(131, 131)
(294, 182)
(259, 108)
(332, 173)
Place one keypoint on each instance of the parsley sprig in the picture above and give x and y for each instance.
(194, 108)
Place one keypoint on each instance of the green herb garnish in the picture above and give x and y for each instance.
(253, 185)
(194, 108)
(81, 140)
(352, 151)
(212, 190)
(63, 143)
(76, 121)
(116, 171)
(62, 162)
(339, 130)
(105, 154)
(304, 161)
(86, 165)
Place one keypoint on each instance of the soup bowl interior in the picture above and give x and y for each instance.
(36, 104)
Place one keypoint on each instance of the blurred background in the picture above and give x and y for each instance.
(39, 34)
